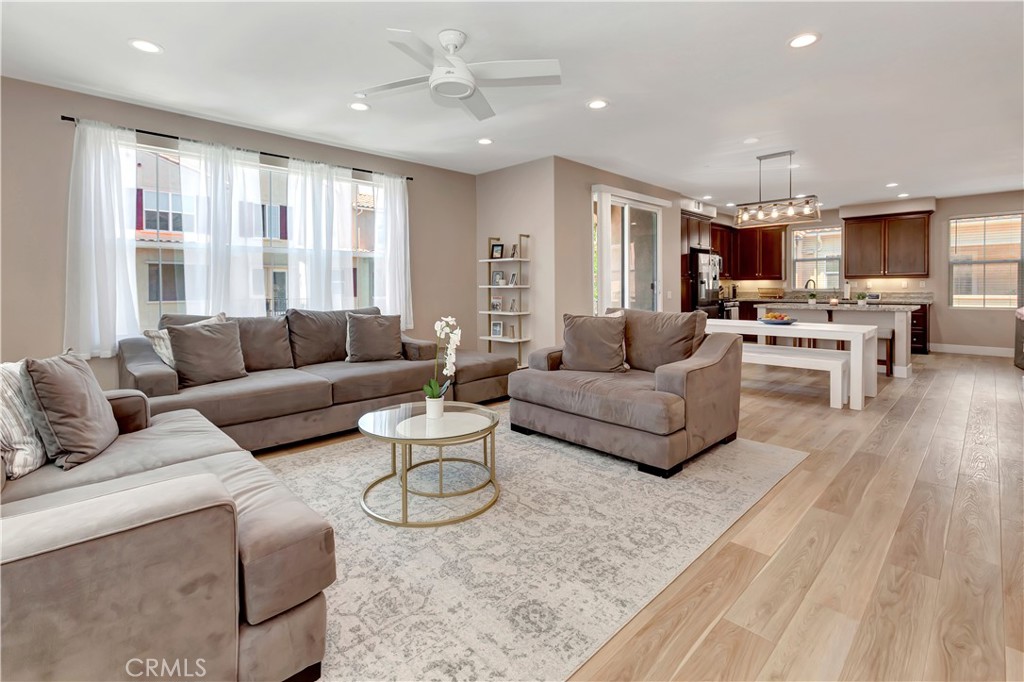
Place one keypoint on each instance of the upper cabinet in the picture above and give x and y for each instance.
(722, 239)
(759, 253)
(886, 246)
(696, 233)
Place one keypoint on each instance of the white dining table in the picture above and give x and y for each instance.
(861, 339)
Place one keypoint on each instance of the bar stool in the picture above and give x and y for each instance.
(887, 335)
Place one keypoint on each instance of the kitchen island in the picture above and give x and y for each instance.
(884, 316)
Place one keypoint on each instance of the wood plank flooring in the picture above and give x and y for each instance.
(895, 551)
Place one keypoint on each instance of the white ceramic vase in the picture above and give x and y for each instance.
(435, 408)
(812, 301)
(862, 301)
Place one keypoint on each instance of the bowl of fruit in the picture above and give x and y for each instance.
(777, 318)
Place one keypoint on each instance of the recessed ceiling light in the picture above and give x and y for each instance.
(597, 104)
(146, 46)
(751, 140)
(706, 197)
(821, 203)
(731, 204)
(803, 40)
(794, 165)
(904, 195)
(485, 140)
(359, 106)
(893, 184)
(800, 196)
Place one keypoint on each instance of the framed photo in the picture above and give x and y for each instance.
(512, 331)
(515, 251)
(497, 328)
(498, 278)
(512, 279)
(497, 250)
(496, 304)
(513, 307)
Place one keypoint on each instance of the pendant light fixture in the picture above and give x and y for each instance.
(788, 211)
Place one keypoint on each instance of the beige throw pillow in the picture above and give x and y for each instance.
(162, 342)
(22, 450)
(374, 337)
(593, 344)
(68, 408)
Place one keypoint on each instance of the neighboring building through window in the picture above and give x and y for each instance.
(985, 262)
(816, 253)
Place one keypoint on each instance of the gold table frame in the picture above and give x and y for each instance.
(405, 446)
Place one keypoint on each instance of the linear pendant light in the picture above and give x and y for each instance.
(789, 211)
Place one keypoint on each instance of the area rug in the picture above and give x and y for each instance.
(576, 545)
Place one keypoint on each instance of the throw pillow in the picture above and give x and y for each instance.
(207, 353)
(656, 339)
(319, 335)
(593, 344)
(162, 342)
(68, 408)
(264, 342)
(374, 337)
(22, 450)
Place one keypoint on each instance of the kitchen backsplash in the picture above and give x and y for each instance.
(825, 294)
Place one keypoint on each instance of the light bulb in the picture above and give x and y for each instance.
(790, 210)
(807, 209)
(746, 214)
(760, 213)
(775, 212)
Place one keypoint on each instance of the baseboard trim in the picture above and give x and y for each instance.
(991, 351)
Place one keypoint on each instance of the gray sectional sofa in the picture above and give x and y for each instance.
(172, 545)
(299, 385)
(680, 395)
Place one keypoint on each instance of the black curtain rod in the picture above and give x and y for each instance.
(175, 137)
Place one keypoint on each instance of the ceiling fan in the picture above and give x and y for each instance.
(450, 76)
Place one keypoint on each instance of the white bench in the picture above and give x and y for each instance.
(835, 362)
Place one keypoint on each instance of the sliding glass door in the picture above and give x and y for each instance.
(626, 259)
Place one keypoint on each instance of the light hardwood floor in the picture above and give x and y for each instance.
(895, 551)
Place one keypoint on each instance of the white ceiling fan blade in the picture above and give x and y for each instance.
(517, 72)
(395, 85)
(478, 105)
(412, 45)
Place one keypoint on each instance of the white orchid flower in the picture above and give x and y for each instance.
(438, 326)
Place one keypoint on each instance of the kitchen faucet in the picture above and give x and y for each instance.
(814, 285)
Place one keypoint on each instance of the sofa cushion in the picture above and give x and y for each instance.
(161, 340)
(260, 395)
(593, 344)
(205, 353)
(68, 409)
(171, 438)
(265, 343)
(371, 338)
(285, 549)
(474, 366)
(365, 380)
(656, 339)
(626, 398)
(319, 335)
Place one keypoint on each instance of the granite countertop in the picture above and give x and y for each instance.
(869, 308)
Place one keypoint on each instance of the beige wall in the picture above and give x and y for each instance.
(510, 201)
(36, 153)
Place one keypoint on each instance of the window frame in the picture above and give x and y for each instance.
(951, 264)
(793, 260)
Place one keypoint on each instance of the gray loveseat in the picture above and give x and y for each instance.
(658, 415)
(299, 385)
(172, 545)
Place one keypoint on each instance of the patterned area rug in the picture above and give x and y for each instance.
(576, 545)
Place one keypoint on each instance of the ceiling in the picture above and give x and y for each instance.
(929, 95)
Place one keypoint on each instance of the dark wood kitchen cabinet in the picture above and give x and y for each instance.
(696, 233)
(760, 253)
(886, 246)
(722, 239)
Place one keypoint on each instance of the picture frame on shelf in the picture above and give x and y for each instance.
(496, 304)
(511, 331)
(497, 328)
(497, 251)
(498, 278)
(514, 253)
(513, 279)
(513, 307)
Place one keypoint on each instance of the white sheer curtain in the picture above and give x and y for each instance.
(100, 301)
(392, 282)
(223, 257)
(320, 235)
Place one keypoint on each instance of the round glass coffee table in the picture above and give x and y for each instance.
(406, 426)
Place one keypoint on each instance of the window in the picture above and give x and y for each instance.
(166, 282)
(816, 254)
(626, 239)
(985, 268)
